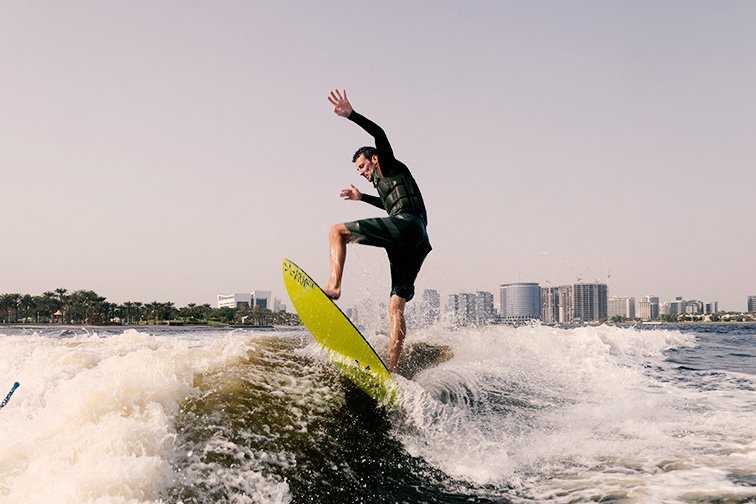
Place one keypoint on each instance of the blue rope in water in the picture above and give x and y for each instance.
(7, 398)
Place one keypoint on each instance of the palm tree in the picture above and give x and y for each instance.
(5, 306)
(167, 310)
(27, 303)
(13, 301)
(50, 303)
(225, 315)
(205, 311)
(152, 311)
(85, 306)
(62, 300)
(128, 306)
(61, 293)
(192, 310)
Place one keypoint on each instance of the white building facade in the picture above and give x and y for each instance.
(260, 299)
(243, 300)
(520, 302)
(621, 307)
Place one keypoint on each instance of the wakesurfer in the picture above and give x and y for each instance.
(403, 233)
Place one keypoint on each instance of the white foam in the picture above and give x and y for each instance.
(93, 419)
(569, 415)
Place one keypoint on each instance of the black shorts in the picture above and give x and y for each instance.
(406, 242)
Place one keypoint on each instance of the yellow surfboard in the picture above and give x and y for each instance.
(348, 349)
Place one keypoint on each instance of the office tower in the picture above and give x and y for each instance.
(430, 302)
(453, 304)
(589, 302)
(261, 298)
(621, 307)
(694, 307)
(752, 304)
(467, 307)
(520, 302)
(550, 305)
(565, 297)
(577, 303)
(711, 307)
(278, 306)
(462, 307)
(676, 307)
(648, 308)
(242, 300)
(484, 308)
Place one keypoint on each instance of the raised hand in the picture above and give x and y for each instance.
(341, 105)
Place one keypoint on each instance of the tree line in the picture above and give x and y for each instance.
(87, 307)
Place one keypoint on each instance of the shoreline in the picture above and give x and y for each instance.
(686, 322)
(278, 327)
(141, 326)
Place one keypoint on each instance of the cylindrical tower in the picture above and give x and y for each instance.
(520, 302)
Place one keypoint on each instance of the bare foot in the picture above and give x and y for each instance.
(332, 293)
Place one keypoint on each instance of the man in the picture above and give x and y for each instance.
(403, 233)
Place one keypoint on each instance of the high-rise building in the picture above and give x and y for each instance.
(590, 302)
(711, 307)
(550, 305)
(644, 310)
(520, 302)
(261, 299)
(430, 306)
(467, 308)
(453, 304)
(484, 308)
(752, 304)
(566, 299)
(621, 307)
(577, 303)
(462, 307)
(648, 308)
(278, 306)
(694, 307)
(468, 301)
(676, 307)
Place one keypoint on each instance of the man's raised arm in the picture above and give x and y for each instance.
(343, 108)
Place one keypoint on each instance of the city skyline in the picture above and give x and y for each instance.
(576, 303)
(176, 150)
(277, 302)
(520, 302)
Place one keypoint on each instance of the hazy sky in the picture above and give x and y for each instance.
(166, 150)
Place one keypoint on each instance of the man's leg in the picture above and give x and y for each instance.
(398, 330)
(405, 265)
(338, 237)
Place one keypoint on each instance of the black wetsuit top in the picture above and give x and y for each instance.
(389, 165)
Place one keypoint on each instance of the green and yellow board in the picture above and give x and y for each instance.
(348, 349)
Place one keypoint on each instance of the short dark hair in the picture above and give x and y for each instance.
(366, 151)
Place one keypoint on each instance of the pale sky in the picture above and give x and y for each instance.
(173, 150)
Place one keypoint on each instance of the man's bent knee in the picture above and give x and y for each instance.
(340, 231)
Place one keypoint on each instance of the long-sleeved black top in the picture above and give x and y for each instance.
(389, 165)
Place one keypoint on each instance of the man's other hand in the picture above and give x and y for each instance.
(351, 193)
